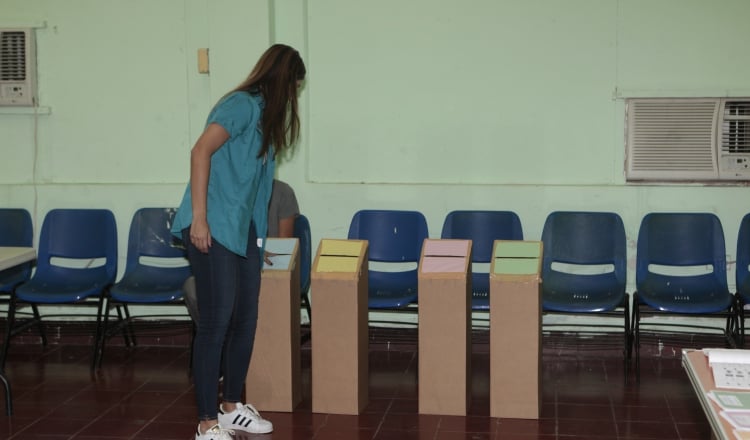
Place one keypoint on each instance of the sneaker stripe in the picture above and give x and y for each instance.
(242, 421)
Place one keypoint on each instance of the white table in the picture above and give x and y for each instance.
(696, 366)
(9, 257)
(13, 256)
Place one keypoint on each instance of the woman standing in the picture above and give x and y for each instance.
(223, 218)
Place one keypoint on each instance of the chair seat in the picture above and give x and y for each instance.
(575, 293)
(390, 299)
(391, 290)
(145, 293)
(480, 300)
(718, 302)
(60, 291)
(581, 303)
(146, 285)
(694, 295)
(11, 278)
(743, 290)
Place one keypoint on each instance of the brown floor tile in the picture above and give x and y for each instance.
(146, 393)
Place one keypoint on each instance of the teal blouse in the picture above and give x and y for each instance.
(240, 183)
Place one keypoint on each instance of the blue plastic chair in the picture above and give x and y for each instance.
(482, 228)
(742, 275)
(393, 237)
(584, 266)
(302, 232)
(155, 271)
(674, 252)
(76, 264)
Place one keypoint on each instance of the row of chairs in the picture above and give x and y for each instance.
(77, 265)
(584, 264)
(680, 264)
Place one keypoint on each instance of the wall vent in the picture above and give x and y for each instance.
(17, 67)
(687, 139)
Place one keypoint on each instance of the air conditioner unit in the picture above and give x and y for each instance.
(17, 67)
(687, 139)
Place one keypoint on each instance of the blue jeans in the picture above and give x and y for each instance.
(227, 287)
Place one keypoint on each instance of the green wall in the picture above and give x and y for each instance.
(435, 106)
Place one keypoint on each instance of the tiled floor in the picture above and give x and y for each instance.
(145, 393)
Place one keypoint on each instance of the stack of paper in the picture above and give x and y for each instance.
(731, 371)
(735, 408)
(731, 368)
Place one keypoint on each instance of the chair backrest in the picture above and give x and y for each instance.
(681, 251)
(151, 243)
(16, 230)
(482, 228)
(393, 236)
(584, 263)
(585, 238)
(395, 239)
(79, 234)
(302, 232)
(15, 227)
(742, 273)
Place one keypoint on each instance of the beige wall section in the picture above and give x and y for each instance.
(421, 105)
(447, 92)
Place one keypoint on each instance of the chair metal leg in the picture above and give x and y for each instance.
(628, 332)
(9, 330)
(8, 394)
(40, 324)
(102, 317)
(627, 348)
(128, 331)
(637, 338)
(740, 318)
(123, 323)
(306, 304)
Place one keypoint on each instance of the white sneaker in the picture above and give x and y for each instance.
(245, 418)
(215, 432)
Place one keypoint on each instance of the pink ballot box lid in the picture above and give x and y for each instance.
(445, 256)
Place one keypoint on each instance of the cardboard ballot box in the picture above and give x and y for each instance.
(340, 379)
(274, 378)
(445, 327)
(515, 330)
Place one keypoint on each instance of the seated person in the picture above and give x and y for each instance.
(282, 210)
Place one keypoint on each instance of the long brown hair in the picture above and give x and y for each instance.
(275, 77)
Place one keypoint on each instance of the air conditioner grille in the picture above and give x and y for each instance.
(735, 129)
(12, 56)
(672, 136)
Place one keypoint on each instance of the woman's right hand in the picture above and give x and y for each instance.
(200, 235)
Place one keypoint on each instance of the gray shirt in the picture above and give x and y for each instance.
(283, 205)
